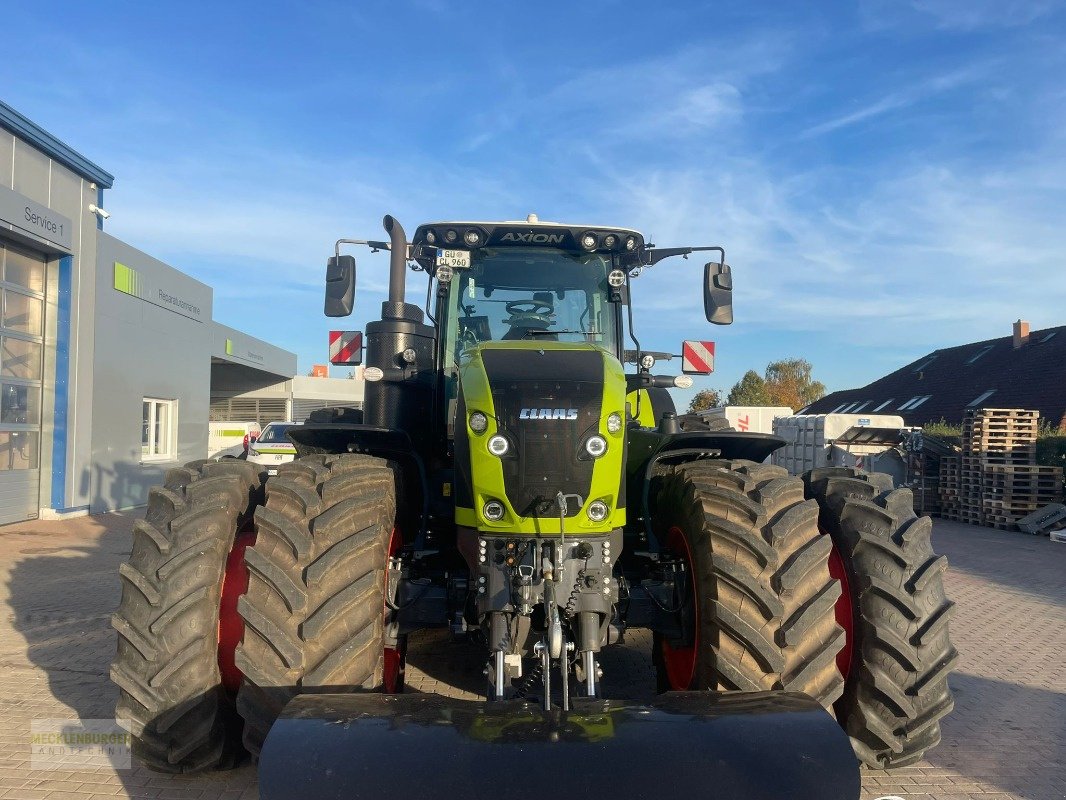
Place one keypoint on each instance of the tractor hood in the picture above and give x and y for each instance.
(542, 403)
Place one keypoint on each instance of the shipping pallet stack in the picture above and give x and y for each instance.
(999, 481)
(950, 480)
(1015, 491)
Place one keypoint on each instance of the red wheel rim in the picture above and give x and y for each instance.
(230, 623)
(393, 665)
(680, 662)
(844, 612)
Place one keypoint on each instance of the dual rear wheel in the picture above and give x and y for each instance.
(825, 585)
(293, 586)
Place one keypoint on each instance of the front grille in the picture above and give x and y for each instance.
(547, 458)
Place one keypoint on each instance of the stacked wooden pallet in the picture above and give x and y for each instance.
(999, 481)
(1013, 491)
(949, 486)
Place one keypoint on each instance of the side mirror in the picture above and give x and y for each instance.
(718, 293)
(340, 286)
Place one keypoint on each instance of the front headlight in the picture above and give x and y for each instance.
(614, 422)
(597, 511)
(498, 445)
(479, 423)
(595, 445)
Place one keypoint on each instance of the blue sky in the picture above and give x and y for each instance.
(887, 177)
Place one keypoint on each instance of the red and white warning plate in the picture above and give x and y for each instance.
(345, 347)
(697, 358)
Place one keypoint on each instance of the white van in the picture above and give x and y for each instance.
(273, 447)
(230, 438)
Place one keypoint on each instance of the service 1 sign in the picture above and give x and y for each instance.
(31, 217)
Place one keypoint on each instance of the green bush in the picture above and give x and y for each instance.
(1051, 450)
(944, 430)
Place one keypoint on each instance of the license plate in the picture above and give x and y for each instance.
(453, 258)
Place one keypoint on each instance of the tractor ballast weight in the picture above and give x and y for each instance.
(747, 746)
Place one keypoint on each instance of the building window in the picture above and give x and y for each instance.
(158, 428)
(914, 402)
(861, 406)
(22, 277)
(924, 364)
(883, 405)
(979, 353)
(980, 399)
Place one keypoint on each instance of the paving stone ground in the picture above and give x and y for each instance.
(1005, 739)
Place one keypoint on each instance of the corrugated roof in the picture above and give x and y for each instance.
(988, 374)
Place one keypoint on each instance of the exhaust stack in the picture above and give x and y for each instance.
(397, 258)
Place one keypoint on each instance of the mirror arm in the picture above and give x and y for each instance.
(374, 246)
(652, 257)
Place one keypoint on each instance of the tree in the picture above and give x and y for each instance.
(750, 390)
(789, 383)
(704, 399)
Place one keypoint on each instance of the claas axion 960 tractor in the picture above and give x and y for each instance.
(510, 479)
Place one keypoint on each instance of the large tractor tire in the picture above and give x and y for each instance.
(314, 609)
(760, 585)
(899, 653)
(173, 634)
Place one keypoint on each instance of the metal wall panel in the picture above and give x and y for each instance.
(144, 350)
(31, 172)
(7, 150)
(18, 495)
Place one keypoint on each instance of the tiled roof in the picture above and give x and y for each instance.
(944, 383)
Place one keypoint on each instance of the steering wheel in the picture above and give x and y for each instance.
(529, 307)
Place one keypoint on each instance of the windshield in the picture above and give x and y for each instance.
(531, 294)
(275, 434)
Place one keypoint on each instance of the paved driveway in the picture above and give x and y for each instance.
(1006, 738)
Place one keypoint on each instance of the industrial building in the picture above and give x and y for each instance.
(110, 360)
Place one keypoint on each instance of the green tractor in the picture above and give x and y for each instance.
(509, 479)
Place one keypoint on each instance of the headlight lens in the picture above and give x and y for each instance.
(614, 422)
(631, 243)
(597, 511)
(479, 422)
(472, 237)
(498, 445)
(493, 510)
(588, 241)
(596, 445)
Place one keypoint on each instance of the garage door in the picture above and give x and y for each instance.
(21, 358)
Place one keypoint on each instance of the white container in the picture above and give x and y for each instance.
(809, 438)
(750, 419)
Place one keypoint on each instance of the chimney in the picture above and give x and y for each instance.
(1021, 333)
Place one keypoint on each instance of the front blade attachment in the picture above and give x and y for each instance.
(691, 745)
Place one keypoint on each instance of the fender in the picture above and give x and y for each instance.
(391, 444)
